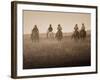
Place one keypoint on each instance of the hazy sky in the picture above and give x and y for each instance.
(43, 19)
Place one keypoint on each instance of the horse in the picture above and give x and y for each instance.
(59, 35)
(50, 35)
(76, 35)
(82, 34)
(35, 36)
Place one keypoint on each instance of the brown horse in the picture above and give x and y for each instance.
(82, 34)
(76, 35)
(79, 35)
(35, 34)
(59, 35)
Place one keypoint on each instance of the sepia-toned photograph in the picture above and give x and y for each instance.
(53, 39)
(56, 39)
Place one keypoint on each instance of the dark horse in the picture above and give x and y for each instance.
(82, 34)
(59, 35)
(35, 34)
(76, 35)
(79, 35)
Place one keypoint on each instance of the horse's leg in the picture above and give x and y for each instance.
(47, 35)
(72, 36)
(52, 35)
(32, 39)
(85, 35)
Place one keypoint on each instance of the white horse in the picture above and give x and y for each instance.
(50, 35)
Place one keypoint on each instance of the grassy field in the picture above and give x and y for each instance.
(51, 53)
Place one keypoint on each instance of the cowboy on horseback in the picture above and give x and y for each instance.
(83, 32)
(75, 34)
(35, 34)
(49, 32)
(59, 34)
(50, 29)
(59, 27)
(76, 27)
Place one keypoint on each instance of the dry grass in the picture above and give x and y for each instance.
(51, 53)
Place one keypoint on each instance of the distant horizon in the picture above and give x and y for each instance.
(63, 32)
